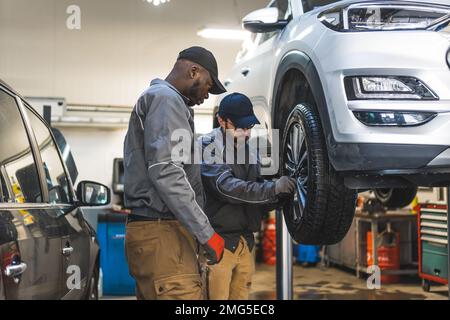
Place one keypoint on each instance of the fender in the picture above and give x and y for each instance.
(297, 60)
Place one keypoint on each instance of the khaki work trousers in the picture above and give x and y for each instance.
(162, 258)
(232, 277)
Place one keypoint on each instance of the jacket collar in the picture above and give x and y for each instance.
(158, 81)
(217, 139)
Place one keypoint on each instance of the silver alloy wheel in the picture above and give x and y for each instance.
(296, 165)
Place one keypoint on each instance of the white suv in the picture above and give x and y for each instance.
(360, 91)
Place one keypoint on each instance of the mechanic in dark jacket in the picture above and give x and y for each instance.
(165, 194)
(236, 196)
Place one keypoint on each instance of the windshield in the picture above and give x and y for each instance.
(309, 5)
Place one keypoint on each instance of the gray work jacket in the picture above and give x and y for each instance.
(154, 183)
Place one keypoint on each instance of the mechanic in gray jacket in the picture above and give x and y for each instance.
(164, 194)
(236, 196)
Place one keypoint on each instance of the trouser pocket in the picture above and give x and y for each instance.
(179, 287)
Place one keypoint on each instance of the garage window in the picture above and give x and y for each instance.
(19, 181)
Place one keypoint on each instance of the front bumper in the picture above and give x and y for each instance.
(385, 165)
(367, 157)
(356, 147)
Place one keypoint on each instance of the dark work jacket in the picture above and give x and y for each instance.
(236, 194)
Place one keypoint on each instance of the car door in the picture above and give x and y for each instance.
(254, 69)
(75, 237)
(29, 240)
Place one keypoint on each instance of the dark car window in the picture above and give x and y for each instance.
(56, 178)
(309, 5)
(19, 179)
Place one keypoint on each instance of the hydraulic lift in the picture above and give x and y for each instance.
(284, 259)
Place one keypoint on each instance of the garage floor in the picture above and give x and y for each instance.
(317, 283)
(332, 283)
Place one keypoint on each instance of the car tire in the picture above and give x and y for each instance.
(395, 198)
(92, 288)
(322, 210)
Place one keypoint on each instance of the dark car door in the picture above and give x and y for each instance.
(30, 244)
(75, 235)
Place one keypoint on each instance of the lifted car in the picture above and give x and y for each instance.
(360, 91)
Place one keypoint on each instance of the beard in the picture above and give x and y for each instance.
(194, 94)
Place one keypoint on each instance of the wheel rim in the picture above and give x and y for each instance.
(296, 165)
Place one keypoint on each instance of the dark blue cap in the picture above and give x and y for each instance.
(239, 109)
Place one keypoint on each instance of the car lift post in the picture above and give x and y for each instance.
(284, 258)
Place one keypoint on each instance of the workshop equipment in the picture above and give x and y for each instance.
(351, 252)
(433, 244)
(111, 237)
(388, 250)
(307, 255)
(269, 242)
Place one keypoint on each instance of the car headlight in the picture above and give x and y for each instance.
(387, 87)
(384, 15)
(393, 118)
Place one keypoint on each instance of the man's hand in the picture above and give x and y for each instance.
(285, 186)
(214, 249)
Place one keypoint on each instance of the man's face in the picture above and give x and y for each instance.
(237, 133)
(201, 84)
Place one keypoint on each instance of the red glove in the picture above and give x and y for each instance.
(214, 249)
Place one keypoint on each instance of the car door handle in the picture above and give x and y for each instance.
(245, 71)
(15, 270)
(67, 251)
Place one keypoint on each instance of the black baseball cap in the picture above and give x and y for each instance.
(206, 59)
(239, 109)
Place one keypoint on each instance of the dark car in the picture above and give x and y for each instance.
(47, 249)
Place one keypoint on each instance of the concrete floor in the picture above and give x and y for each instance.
(316, 283)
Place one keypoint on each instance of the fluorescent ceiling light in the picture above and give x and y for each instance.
(157, 2)
(224, 34)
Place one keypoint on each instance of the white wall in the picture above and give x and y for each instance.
(94, 151)
(121, 46)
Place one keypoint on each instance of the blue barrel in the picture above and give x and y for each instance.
(111, 237)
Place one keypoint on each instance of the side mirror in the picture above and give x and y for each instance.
(263, 20)
(93, 194)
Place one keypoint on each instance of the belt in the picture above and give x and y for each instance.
(145, 214)
(135, 218)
